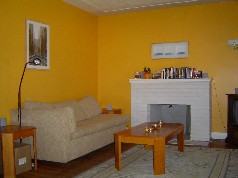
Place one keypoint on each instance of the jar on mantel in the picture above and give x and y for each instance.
(147, 75)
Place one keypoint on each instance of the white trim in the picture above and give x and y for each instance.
(218, 135)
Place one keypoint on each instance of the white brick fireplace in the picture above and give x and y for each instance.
(193, 92)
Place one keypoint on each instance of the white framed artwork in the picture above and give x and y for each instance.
(37, 44)
(169, 50)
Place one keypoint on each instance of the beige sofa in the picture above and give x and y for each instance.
(70, 129)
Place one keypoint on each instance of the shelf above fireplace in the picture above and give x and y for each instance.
(170, 80)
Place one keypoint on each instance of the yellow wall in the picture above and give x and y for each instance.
(73, 53)
(97, 56)
(124, 47)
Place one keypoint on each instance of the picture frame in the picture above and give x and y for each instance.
(37, 44)
(169, 50)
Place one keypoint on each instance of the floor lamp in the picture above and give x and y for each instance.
(36, 61)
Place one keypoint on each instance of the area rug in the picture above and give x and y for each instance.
(195, 162)
(189, 142)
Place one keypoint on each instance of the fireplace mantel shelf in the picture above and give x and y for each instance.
(169, 80)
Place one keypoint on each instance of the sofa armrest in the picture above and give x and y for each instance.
(43, 116)
(53, 129)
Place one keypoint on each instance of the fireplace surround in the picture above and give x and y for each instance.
(193, 92)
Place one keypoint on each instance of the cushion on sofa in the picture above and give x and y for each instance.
(78, 112)
(99, 123)
(90, 106)
(37, 105)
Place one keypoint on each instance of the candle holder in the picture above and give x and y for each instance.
(160, 122)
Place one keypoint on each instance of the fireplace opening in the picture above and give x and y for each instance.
(172, 113)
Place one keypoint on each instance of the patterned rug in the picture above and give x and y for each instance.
(195, 162)
(189, 142)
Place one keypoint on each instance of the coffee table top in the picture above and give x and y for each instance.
(166, 130)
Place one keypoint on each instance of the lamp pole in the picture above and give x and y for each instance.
(36, 61)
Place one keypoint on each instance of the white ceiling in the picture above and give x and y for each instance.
(109, 7)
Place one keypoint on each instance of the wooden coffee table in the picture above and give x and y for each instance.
(157, 138)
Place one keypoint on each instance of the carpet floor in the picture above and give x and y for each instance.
(194, 162)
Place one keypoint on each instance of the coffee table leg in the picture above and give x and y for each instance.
(159, 156)
(180, 139)
(118, 152)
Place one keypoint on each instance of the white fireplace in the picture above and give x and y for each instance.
(193, 92)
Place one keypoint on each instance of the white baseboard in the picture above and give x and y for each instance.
(218, 135)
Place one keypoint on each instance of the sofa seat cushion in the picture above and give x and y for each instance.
(98, 123)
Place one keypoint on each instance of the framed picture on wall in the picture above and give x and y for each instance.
(169, 50)
(37, 44)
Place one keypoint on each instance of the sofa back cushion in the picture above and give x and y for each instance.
(90, 106)
(37, 105)
(83, 109)
(78, 112)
